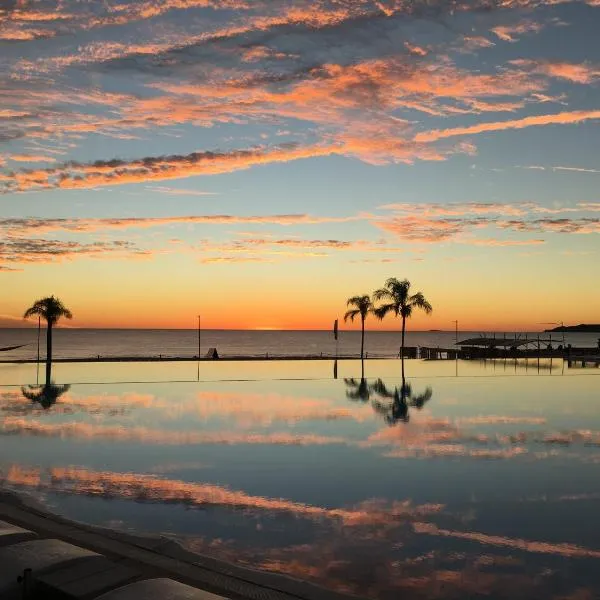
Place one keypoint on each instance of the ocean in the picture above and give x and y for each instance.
(91, 343)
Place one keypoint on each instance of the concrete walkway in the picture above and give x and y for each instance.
(75, 561)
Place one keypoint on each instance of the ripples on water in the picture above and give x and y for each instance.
(465, 480)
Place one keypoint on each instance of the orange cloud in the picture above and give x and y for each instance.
(564, 118)
(115, 172)
(31, 158)
(575, 73)
(507, 32)
(37, 250)
(28, 226)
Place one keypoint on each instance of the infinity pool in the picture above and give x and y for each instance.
(465, 480)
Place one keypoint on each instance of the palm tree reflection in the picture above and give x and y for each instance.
(45, 395)
(402, 397)
(392, 403)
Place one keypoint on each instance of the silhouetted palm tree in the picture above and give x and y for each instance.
(362, 306)
(45, 395)
(51, 310)
(400, 302)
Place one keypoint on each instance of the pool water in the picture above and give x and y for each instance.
(465, 479)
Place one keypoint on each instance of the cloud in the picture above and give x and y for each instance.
(563, 225)
(575, 73)
(169, 191)
(234, 259)
(507, 32)
(74, 175)
(453, 209)
(457, 222)
(37, 250)
(563, 118)
(495, 243)
(423, 229)
(576, 169)
(31, 158)
(29, 226)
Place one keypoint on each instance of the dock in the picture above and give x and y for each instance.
(583, 360)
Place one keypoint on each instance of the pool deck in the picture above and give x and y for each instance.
(74, 560)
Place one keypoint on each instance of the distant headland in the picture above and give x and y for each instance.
(582, 327)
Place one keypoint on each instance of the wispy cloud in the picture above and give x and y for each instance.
(31, 226)
(170, 191)
(581, 73)
(508, 33)
(37, 250)
(459, 222)
(563, 118)
(115, 172)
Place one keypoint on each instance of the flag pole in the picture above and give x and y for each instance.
(199, 337)
(335, 335)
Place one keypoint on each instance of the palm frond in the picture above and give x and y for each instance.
(51, 309)
(382, 294)
(351, 314)
(419, 301)
(381, 311)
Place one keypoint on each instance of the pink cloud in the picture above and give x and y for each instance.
(563, 118)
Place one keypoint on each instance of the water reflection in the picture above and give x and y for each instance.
(45, 395)
(401, 398)
(392, 403)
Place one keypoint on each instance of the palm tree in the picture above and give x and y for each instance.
(400, 302)
(51, 309)
(362, 306)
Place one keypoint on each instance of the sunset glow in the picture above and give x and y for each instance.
(260, 162)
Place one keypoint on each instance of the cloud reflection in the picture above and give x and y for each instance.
(150, 488)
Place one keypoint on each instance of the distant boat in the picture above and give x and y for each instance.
(7, 348)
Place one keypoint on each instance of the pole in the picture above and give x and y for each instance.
(456, 332)
(199, 337)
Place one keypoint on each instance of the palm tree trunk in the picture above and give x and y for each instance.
(402, 347)
(48, 352)
(362, 339)
(403, 332)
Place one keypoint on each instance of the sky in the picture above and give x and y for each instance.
(259, 162)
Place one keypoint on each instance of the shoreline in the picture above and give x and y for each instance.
(233, 358)
(442, 354)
